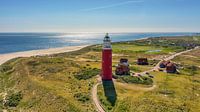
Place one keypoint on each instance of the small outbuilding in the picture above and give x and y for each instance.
(142, 61)
(124, 61)
(164, 64)
(171, 68)
(123, 67)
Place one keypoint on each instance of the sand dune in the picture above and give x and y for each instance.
(6, 57)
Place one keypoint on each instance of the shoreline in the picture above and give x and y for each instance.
(6, 57)
(42, 52)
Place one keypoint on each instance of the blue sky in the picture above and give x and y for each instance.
(99, 15)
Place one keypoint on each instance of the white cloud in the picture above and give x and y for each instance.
(113, 5)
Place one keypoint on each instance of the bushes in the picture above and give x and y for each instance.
(190, 70)
(138, 80)
(5, 68)
(83, 97)
(107, 104)
(55, 69)
(103, 99)
(44, 60)
(1, 103)
(130, 79)
(147, 80)
(52, 60)
(33, 63)
(87, 73)
(14, 99)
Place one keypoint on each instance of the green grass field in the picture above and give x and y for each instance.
(173, 93)
(63, 82)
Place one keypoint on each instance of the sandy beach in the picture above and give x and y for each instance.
(6, 57)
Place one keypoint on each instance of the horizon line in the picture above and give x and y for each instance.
(102, 32)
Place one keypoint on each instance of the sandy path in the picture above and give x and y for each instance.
(96, 99)
(6, 57)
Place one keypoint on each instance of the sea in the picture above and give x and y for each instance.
(17, 42)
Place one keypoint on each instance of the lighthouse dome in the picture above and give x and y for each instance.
(107, 42)
(107, 38)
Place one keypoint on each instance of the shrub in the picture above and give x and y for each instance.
(191, 70)
(55, 69)
(130, 79)
(87, 74)
(33, 63)
(5, 68)
(147, 80)
(14, 99)
(137, 80)
(52, 60)
(1, 104)
(115, 76)
(83, 97)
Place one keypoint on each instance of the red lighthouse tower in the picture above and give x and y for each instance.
(106, 59)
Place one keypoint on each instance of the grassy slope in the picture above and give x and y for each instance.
(173, 93)
(48, 83)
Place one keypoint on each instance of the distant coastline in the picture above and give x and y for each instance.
(9, 56)
(20, 42)
(43, 52)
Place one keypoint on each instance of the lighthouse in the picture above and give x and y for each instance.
(106, 59)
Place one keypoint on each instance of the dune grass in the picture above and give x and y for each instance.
(50, 83)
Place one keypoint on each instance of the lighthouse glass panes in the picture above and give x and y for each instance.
(107, 42)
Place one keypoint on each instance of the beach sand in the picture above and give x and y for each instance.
(6, 57)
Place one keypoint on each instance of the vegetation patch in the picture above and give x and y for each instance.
(1, 103)
(190, 70)
(13, 100)
(33, 63)
(103, 99)
(83, 97)
(167, 92)
(87, 73)
(5, 68)
(54, 69)
(135, 80)
(67, 88)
